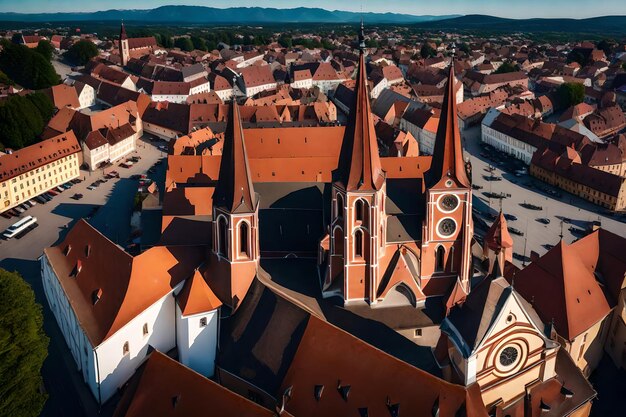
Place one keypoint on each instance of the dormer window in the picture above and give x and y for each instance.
(96, 295)
(77, 268)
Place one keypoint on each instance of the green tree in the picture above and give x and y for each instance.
(624, 66)
(82, 52)
(27, 67)
(4, 79)
(23, 118)
(198, 43)
(464, 47)
(23, 348)
(605, 46)
(285, 41)
(184, 43)
(427, 51)
(570, 94)
(45, 48)
(576, 56)
(506, 67)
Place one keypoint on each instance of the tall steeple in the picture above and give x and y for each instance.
(359, 165)
(123, 32)
(234, 191)
(447, 161)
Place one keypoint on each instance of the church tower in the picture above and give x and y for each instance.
(447, 229)
(498, 247)
(235, 218)
(123, 46)
(358, 219)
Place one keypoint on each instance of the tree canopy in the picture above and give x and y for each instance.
(427, 51)
(570, 94)
(23, 348)
(45, 48)
(184, 43)
(198, 43)
(506, 67)
(82, 52)
(27, 67)
(23, 118)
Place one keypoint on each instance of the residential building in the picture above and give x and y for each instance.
(37, 168)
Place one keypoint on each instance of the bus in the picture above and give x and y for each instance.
(26, 224)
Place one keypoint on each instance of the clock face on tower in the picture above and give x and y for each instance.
(508, 356)
(446, 227)
(448, 202)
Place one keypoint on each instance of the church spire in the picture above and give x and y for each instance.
(234, 191)
(359, 165)
(447, 159)
(123, 32)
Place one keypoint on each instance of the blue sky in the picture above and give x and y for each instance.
(504, 8)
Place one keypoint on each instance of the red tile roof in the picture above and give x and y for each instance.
(163, 387)
(37, 155)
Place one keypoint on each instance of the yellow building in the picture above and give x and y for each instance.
(33, 170)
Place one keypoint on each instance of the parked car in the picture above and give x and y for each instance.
(543, 220)
(510, 217)
(515, 231)
(77, 196)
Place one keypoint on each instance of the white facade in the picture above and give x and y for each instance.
(170, 98)
(514, 147)
(196, 337)
(306, 83)
(425, 138)
(111, 153)
(327, 85)
(200, 88)
(160, 131)
(378, 88)
(251, 91)
(225, 95)
(108, 366)
(87, 97)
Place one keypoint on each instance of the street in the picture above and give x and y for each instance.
(536, 234)
(113, 202)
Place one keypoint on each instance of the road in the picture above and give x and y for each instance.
(62, 68)
(68, 395)
(535, 234)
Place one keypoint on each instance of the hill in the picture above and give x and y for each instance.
(231, 15)
(603, 24)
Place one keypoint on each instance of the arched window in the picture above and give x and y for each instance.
(358, 210)
(125, 348)
(439, 259)
(337, 241)
(243, 239)
(358, 244)
(339, 206)
(452, 259)
(222, 238)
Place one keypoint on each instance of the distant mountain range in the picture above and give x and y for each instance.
(231, 15)
(604, 24)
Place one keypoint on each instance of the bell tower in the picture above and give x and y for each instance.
(235, 217)
(123, 46)
(358, 219)
(447, 228)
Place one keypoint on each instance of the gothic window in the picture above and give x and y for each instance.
(358, 244)
(222, 238)
(337, 241)
(439, 259)
(243, 239)
(339, 206)
(125, 348)
(452, 260)
(145, 329)
(358, 210)
(446, 227)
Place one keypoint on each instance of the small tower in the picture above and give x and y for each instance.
(447, 229)
(358, 220)
(123, 46)
(498, 246)
(235, 218)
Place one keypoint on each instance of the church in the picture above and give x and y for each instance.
(302, 271)
(134, 47)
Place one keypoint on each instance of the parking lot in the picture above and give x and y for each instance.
(108, 208)
(529, 203)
